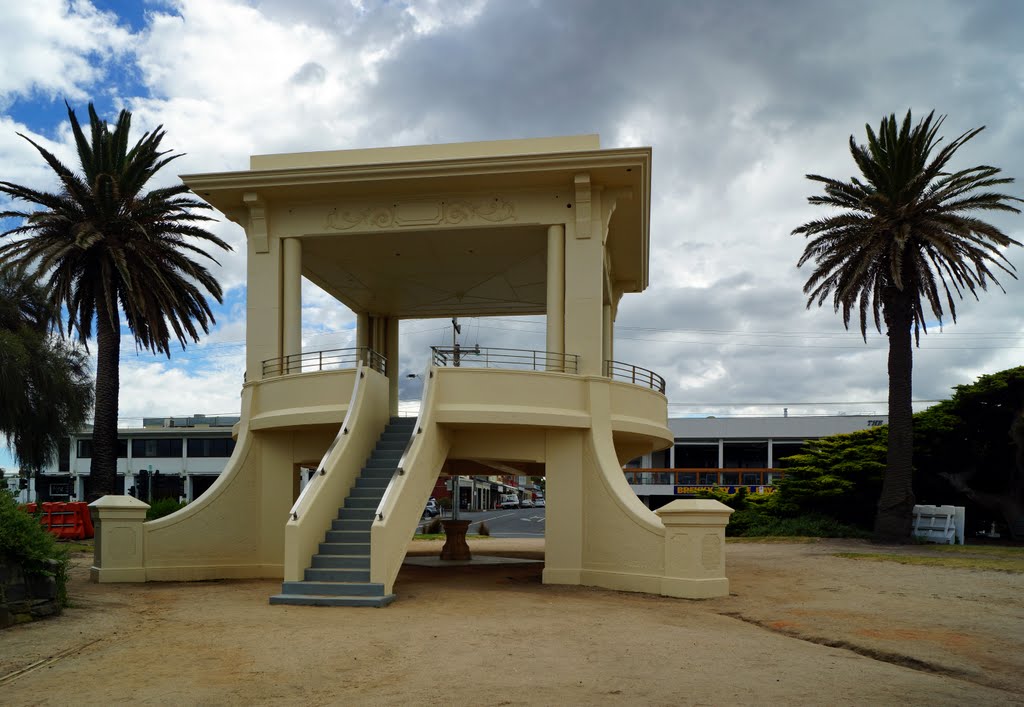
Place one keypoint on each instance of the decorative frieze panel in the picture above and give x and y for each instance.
(450, 212)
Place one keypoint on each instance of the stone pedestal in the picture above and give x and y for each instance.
(695, 548)
(455, 546)
(119, 551)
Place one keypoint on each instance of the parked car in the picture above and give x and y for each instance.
(432, 510)
(526, 503)
(539, 503)
(508, 500)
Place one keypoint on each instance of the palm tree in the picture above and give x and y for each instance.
(45, 382)
(104, 247)
(905, 235)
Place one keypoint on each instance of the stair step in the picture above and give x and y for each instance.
(373, 482)
(343, 548)
(379, 473)
(345, 524)
(390, 445)
(355, 562)
(347, 536)
(362, 502)
(337, 574)
(395, 434)
(330, 600)
(357, 514)
(362, 589)
(367, 491)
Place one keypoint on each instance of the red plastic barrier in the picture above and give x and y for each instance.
(68, 521)
(86, 518)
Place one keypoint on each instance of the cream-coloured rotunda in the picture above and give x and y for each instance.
(556, 227)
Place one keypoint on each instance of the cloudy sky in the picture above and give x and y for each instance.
(738, 99)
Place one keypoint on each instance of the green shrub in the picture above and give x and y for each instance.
(25, 542)
(434, 527)
(164, 507)
(757, 523)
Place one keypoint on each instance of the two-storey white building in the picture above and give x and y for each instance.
(167, 457)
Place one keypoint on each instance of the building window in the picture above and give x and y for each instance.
(152, 448)
(751, 478)
(707, 478)
(781, 450)
(697, 456)
(745, 455)
(218, 447)
(64, 455)
(85, 450)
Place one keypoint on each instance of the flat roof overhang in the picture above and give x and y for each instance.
(471, 271)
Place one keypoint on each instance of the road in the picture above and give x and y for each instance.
(516, 523)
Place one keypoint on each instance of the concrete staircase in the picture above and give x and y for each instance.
(340, 571)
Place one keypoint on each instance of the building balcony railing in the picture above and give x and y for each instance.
(706, 478)
(520, 359)
(327, 360)
(616, 370)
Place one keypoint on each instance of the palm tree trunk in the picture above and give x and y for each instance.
(103, 469)
(896, 504)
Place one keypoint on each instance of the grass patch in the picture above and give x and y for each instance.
(442, 536)
(73, 546)
(999, 564)
(769, 539)
(993, 550)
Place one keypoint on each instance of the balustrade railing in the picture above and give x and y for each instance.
(327, 360)
(616, 370)
(520, 359)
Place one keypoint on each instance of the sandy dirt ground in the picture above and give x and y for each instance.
(801, 626)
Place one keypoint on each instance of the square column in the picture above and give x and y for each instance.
(556, 295)
(291, 300)
(584, 279)
(391, 364)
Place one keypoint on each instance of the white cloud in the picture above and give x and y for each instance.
(738, 105)
(56, 48)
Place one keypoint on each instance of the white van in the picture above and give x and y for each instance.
(508, 500)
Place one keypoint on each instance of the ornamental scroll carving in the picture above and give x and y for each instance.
(420, 213)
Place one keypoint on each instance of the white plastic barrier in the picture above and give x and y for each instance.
(939, 524)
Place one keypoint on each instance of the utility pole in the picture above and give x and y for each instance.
(456, 330)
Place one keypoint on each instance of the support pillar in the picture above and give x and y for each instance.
(362, 334)
(584, 280)
(608, 338)
(556, 295)
(391, 366)
(563, 548)
(291, 303)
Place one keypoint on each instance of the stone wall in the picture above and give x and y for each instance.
(26, 597)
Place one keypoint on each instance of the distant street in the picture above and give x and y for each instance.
(519, 523)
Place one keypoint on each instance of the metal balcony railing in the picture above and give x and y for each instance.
(636, 375)
(521, 359)
(327, 360)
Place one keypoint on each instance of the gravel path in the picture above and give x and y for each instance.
(801, 627)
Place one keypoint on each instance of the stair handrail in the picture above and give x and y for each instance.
(428, 376)
(321, 469)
